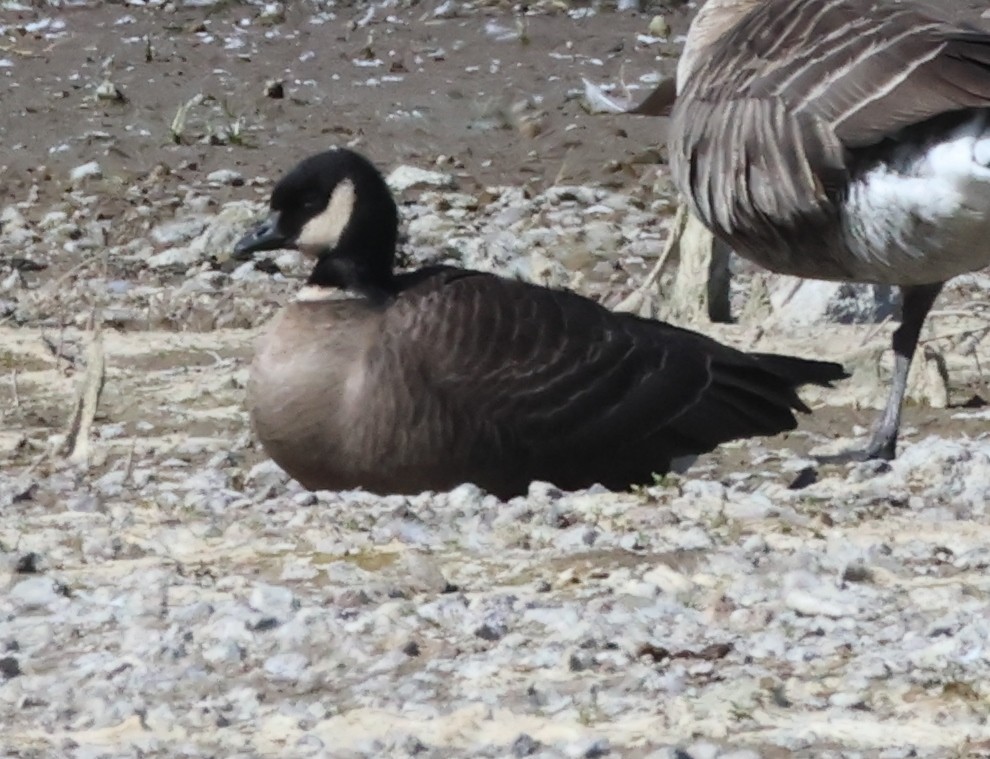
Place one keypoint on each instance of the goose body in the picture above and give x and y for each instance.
(400, 383)
(842, 140)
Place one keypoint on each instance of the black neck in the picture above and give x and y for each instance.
(354, 273)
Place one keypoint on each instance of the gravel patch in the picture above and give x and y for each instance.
(166, 591)
(213, 612)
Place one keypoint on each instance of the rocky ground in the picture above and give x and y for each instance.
(167, 592)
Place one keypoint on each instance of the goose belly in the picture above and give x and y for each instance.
(305, 397)
(923, 215)
(335, 420)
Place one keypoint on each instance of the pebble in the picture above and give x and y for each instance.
(10, 667)
(179, 231)
(273, 600)
(703, 751)
(405, 178)
(524, 746)
(286, 667)
(225, 176)
(810, 605)
(659, 27)
(798, 301)
(35, 594)
(91, 170)
(173, 257)
(107, 90)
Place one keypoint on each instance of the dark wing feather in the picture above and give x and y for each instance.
(559, 388)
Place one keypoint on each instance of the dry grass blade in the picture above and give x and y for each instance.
(15, 393)
(636, 301)
(76, 445)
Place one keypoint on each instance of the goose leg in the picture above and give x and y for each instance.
(917, 302)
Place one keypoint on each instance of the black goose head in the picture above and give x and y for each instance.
(336, 207)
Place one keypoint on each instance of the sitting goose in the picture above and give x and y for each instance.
(841, 140)
(428, 379)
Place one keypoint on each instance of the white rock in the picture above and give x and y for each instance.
(89, 170)
(217, 239)
(446, 9)
(428, 229)
(289, 260)
(266, 472)
(703, 751)
(179, 230)
(225, 176)
(11, 282)
(287, 667)
(668, 580)
(223, 652)
(845, 700)
(602, 237)
(809, 605)
(53, 219)
(807, 301)
(273, 600)
(406, 178)
(182, 256)
(11, 218)
(107, 90)
(34, 593)
(247, 273)
(466, 498)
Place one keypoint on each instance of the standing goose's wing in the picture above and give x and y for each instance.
(866, 72)
(578, 393)
(762, 133)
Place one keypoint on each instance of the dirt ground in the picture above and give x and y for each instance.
(446, 86)
(161, 98)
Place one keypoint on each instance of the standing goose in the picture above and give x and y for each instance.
(841, 140)
(428, 379)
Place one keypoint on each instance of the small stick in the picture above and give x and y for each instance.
(633, 301)
(563, 169)
(72, 272)
(129, 465)
(57, 349)
(961, 333)
(77, 440)
(13, 387)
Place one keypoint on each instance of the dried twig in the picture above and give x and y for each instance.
(634, 301)
(563, 169)
(982, 331)
(129, 465)
(72, 272)
(58, 349)
(876, 330)
(13, 389)
(76, 445)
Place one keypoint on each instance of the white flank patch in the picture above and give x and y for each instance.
(924, 217)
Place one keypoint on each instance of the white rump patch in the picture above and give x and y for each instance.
(324, 230)
(925, 217)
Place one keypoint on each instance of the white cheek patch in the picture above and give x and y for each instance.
(324, 230)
